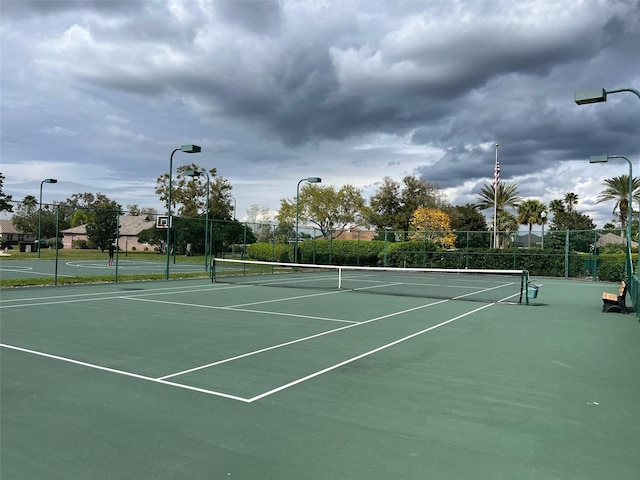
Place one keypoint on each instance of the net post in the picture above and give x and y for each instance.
(212, 270)
(339, 278)
(525, 276)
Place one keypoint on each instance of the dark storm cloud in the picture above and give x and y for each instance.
(357, 89)
(29, 8)
(259, 16)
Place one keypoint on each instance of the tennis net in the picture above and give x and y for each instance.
(484, 285)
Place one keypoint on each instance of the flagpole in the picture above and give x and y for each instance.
(496, 182)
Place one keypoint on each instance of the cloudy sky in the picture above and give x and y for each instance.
(98, 93)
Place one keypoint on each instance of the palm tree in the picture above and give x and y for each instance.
(507, 223)
(570, 199)
(556, 206)
(618, 190)
(529, 213)
(505, 196)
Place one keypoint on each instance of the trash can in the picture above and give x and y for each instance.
(532, 290)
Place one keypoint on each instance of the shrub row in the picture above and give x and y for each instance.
(547, 262)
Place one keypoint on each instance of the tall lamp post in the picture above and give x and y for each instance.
(185, 149)
(198, 173)
(234, 207)
(309, 180)
(605, 159)
(543, 216)
(46, 180)
(585, 97)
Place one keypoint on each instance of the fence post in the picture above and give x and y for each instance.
(566, 254)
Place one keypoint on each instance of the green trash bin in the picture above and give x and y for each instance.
(532, 290)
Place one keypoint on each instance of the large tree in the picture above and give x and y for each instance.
(385, 205)
(102, 229)
(556, 206)
(5, 205)
(26, 216)
(618, 191)
(189, 194)
(570, 200)
(468, 220)
(433, 225)
(530, 213)
(329, 209)
(260, 220)
(507, 196)
(393, 203)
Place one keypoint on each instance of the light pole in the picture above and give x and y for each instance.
(185, 149)
(598, 95)
(234, 207)
(605, 159)
(496, 184)
(310, 180)
(46, 180)
(543, 215)
(198, 173)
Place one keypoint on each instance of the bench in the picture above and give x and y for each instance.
(615, 302)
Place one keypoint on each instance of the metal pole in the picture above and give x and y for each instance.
(206, 229)
(117, 243)
(496, 183)
(55, 275)
(295, 244)
(39, 219)
(166, 273)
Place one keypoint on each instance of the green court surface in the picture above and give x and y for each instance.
(18, 269)
(196, 380)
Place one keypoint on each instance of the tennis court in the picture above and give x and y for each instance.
(17, 269)
(194, 379)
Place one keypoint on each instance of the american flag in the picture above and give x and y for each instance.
(496, 174)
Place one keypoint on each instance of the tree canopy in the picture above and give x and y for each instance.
(325, 207)
(5, 205)
(189, 194)
(433, 225)
(530, 213)
(618, 191)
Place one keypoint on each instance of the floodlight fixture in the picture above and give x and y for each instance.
(46, 180)
(308, 180)
(185, 149)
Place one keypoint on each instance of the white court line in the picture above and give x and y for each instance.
(363, 355)
(114, 294)
(232, 308)
(303, 339)
(125, 373)
(30, 271)
(273, 347)
(162, 380)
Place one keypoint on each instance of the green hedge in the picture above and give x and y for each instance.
(547, 262)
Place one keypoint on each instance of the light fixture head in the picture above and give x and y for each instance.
(590, 96)
(50, 180)
(190, 149)
(314, 180)
(598, 159)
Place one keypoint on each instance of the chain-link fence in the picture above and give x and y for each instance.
(143, 239)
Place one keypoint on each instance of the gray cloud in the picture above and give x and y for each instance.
(358, 90)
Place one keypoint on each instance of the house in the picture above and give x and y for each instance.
(353, 234)
(11, 236)
(609, 238)
(130, 227)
